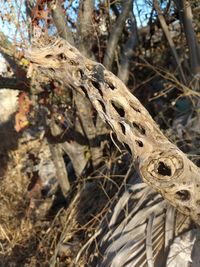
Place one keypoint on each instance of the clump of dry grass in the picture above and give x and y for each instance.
(29, 237)
(16, 229)
(20, 235)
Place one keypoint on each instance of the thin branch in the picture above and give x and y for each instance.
(60, 21)
(13, 83)
(127, 53)
(194, 48)
(116, 34)
(170, 40)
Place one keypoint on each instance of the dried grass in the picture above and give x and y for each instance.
(54, 237)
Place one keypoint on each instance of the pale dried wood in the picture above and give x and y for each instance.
(159, 162)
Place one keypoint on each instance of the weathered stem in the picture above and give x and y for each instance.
(159, 162)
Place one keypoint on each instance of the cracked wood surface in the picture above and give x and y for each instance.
(159, 162)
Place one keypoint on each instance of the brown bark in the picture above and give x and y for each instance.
(159, 162)
(14, 84)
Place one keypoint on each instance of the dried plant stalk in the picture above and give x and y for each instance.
(159, 162)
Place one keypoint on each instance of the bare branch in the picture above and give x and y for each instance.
(169, 39)
(61, 172)
(84, 26)
(13, 83)
(9, 53)
(60, 21)
(194, 48)
(127, 53)
(115, 34)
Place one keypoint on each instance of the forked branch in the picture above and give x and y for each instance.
(159, 162)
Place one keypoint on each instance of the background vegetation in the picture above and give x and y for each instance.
(62, 170)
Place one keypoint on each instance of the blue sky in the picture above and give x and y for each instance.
(10, 9)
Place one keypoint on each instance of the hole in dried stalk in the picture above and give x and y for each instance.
(62, 56)
(102, 105)
(48, 56)
(163, 169)
(123, 128)
(139, 127)
(127, 148)
(51, 69)
(112, 87)
(80, 74)
(134, 108)
(73, 63)
(182, 195)
(139, 143)
(97, 86)
(118, 108)
(107, 122)
(84, 90)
